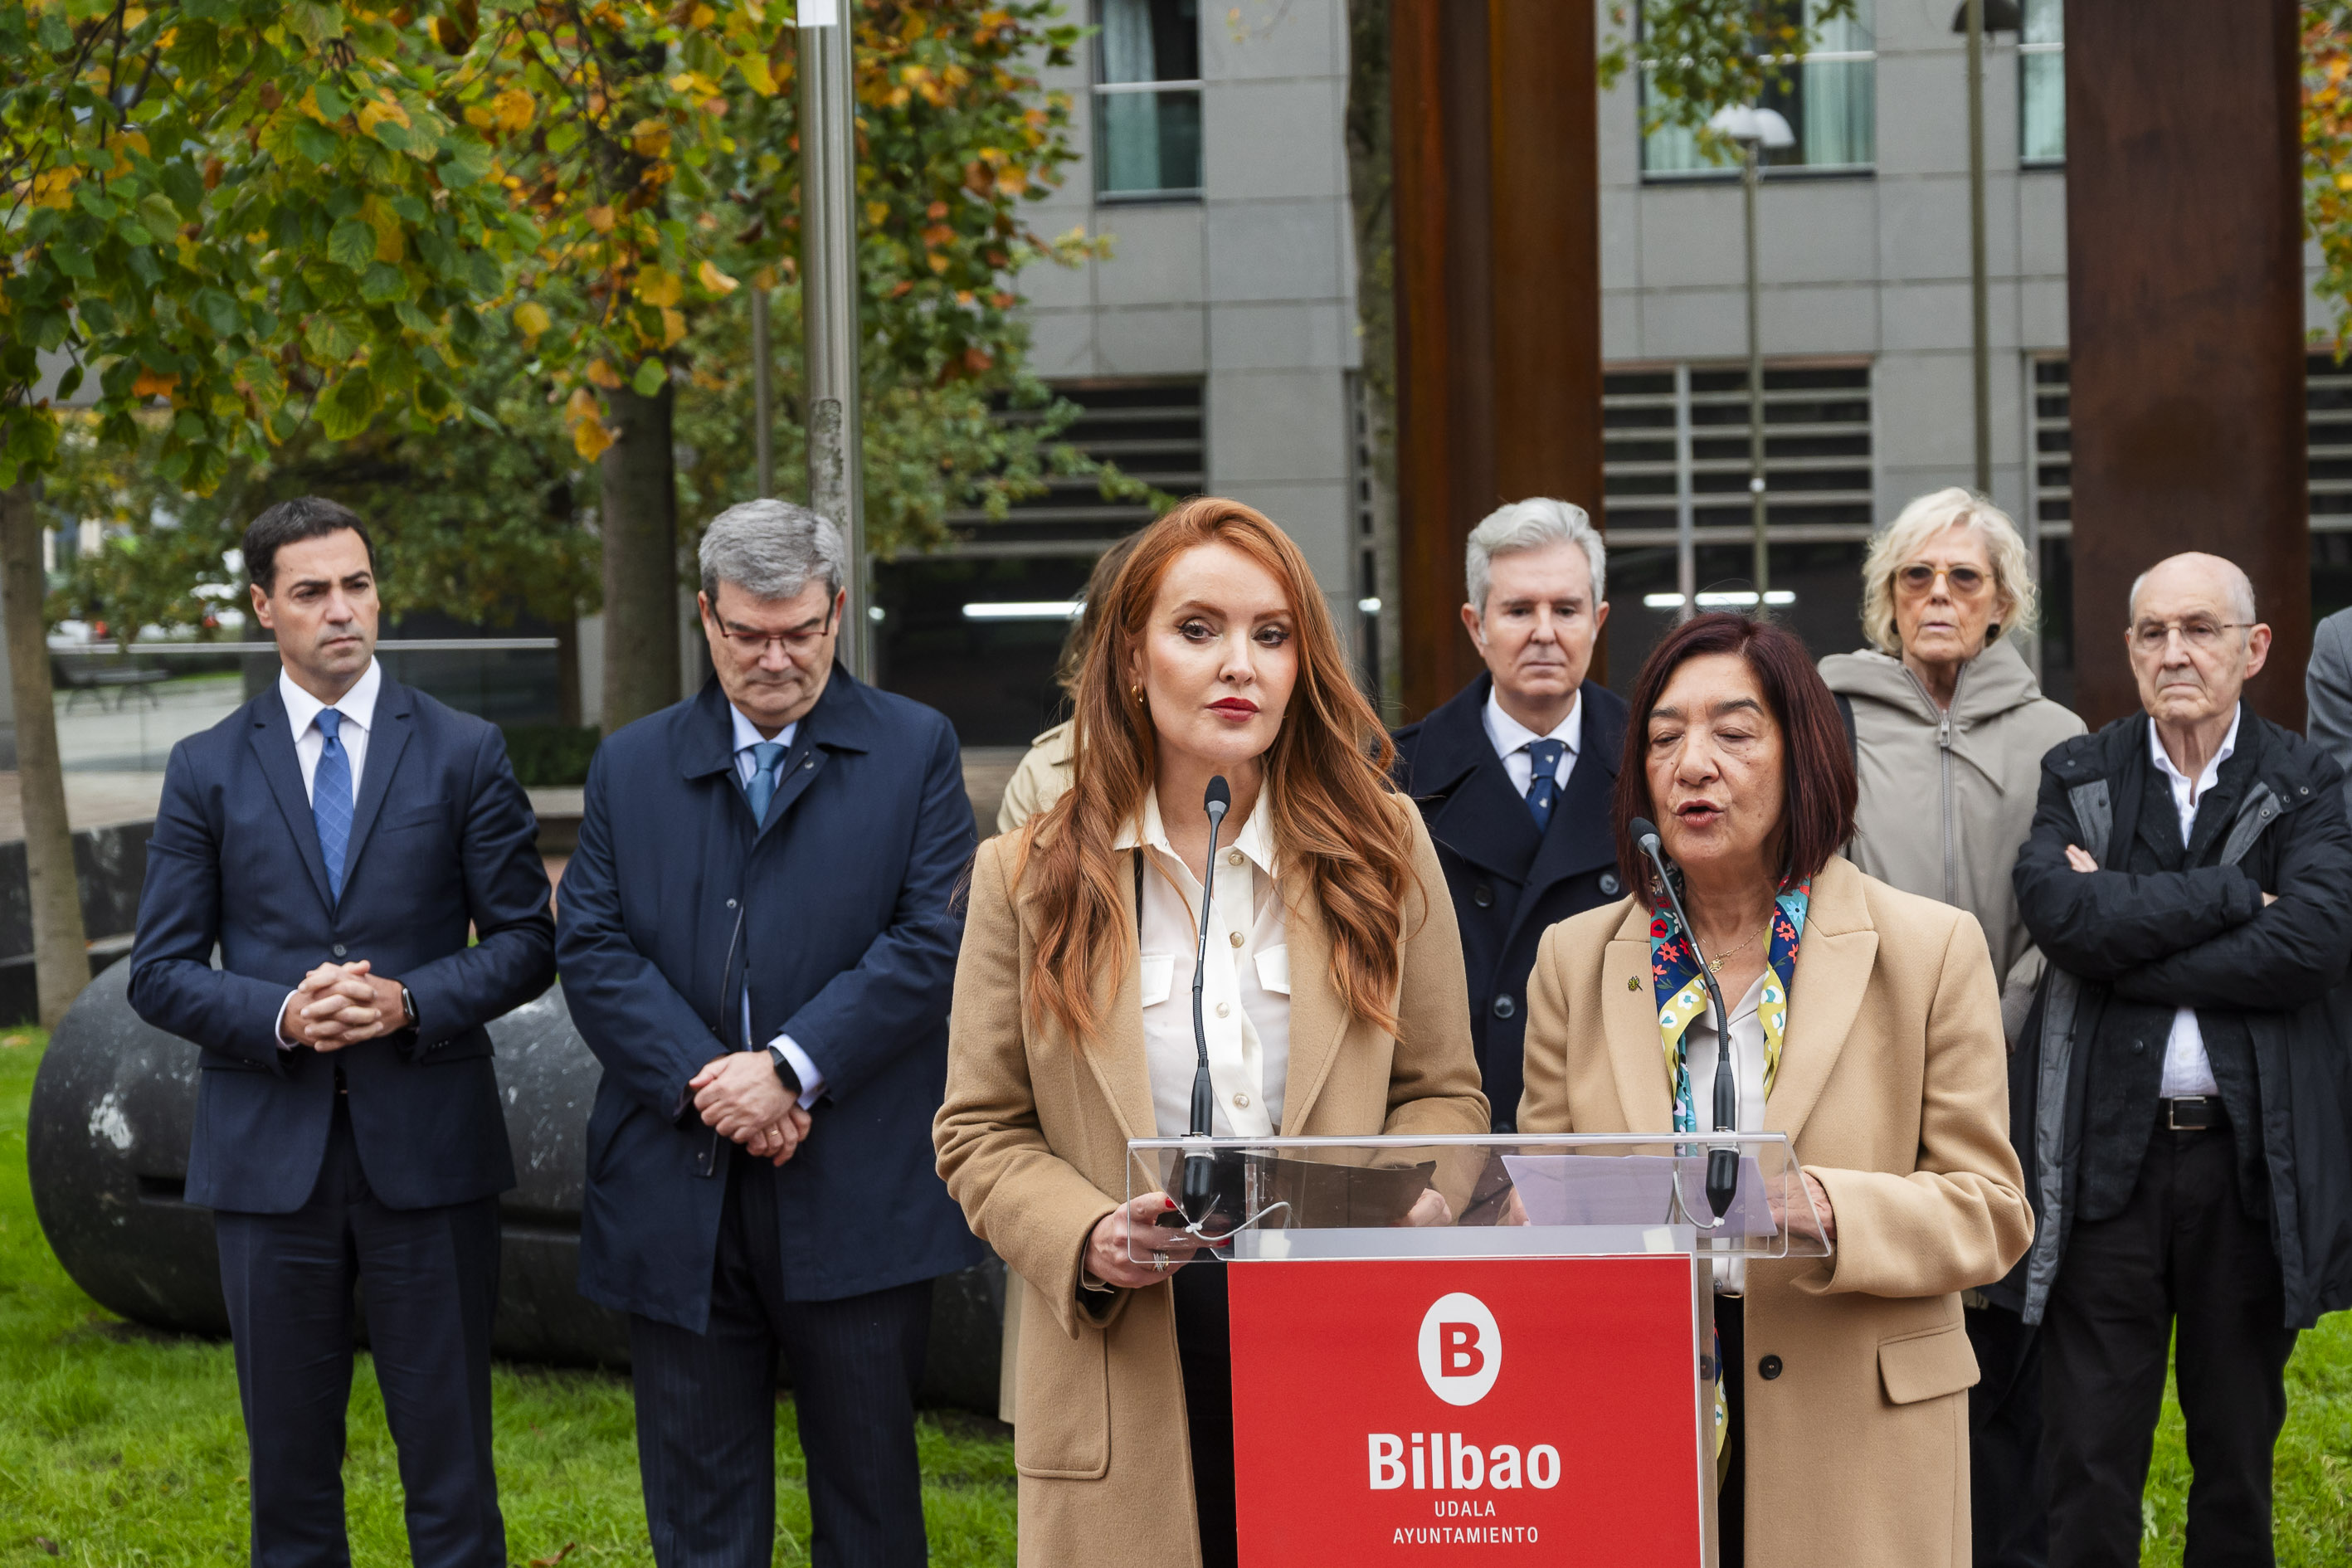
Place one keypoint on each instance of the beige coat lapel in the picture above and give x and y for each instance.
(1628, 1015)
(1318, 1019)
(1115, 1055)
(1833, 963)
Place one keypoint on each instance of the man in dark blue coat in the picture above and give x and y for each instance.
(757, 940)
(1514, 775)
(338, 838)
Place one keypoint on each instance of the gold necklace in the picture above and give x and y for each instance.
(1715, 965)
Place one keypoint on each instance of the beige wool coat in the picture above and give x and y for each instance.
(1894, 1089)
(1032, 1141)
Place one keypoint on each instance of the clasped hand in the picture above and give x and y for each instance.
(340, 1004)
(741, 1098)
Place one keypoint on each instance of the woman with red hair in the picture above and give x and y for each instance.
(1866, 1024)
(1333, 988)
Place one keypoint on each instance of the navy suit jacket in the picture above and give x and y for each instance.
(847, 937)
(443, 842)
(1510, 883)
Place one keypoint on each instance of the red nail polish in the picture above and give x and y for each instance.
(1172, 1203)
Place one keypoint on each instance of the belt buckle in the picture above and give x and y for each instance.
(2173, 1112)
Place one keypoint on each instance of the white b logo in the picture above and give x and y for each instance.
(1460, 1349)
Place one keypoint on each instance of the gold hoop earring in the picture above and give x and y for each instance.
(1137, 692)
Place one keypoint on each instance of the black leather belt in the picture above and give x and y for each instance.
(2194, 1114)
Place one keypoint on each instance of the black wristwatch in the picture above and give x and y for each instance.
(408, 1005)
(784, 1071)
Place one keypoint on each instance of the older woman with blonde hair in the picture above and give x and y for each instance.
(1949, 728)
(1333, 981)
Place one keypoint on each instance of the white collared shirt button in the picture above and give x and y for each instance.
(1233, 856)
(1222, 1009)
(1240, 1101)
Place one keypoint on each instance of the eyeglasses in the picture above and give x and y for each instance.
(753, 644)
(2201, 634)
(1919, 577)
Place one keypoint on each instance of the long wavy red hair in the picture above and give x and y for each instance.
(1337, 820)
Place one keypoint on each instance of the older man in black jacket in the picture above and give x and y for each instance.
(1514, 775)
(2181, 1113)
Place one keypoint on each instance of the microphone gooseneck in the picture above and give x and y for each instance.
(1200, 1170)
(1722, 1164)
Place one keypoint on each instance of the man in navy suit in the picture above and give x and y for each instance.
(338, 838)
(1514, 775)
(757, 940)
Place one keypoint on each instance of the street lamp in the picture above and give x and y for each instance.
(1976, 18)
(1757, 131)
(829, 301)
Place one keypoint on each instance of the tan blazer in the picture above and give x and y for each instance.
(1033, 1142)
(1894, 1086)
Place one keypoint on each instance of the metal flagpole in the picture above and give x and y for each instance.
(829, 300)
(1762, 568)
(764, 400)
(1980, 341)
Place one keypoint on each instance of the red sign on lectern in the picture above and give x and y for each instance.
(1543, 1409)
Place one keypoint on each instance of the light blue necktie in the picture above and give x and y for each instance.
(766, 755)
(1543, 784)
(330, 800)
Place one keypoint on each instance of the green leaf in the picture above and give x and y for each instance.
(91, 200)
(73, 260)
(344, 413)
(159, 215)
(328, 340)
(382, 283)
(315, 143)
(217, 310)
(486, 421)
(70, 383)
(650, 378)
(315, 24)
(465, 162)
(134, 235)
(351, 244)
(332, 102)
(57, 33)
(184, 186)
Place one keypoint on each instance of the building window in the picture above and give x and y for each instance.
(2042, 83)
(1675, 478)
(1829, 98)
(1148, 100)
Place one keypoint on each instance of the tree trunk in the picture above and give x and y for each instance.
(1372, 168)
(60, 950)
(640, 533)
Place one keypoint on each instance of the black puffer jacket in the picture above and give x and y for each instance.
(2201, 938)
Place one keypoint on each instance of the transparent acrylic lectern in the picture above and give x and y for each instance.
(1431, 1331)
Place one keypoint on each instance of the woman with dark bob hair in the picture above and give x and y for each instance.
(1866, 1024)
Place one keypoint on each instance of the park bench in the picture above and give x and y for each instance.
(77, 676)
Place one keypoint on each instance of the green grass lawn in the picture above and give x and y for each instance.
(120, 1446)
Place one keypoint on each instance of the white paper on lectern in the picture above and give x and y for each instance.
(1631, 1189)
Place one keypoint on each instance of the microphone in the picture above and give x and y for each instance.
(1200, 1171)
(1722, 1164)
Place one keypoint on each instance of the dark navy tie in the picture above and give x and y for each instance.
(766, 755)
(331, 799)
(1543, 784)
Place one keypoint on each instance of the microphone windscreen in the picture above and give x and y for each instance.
(1220, 798)
(1644, 832)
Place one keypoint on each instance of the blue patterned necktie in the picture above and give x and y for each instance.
(1543, 784)
(766, 755)
(331, 799)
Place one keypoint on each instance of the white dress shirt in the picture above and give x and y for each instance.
(358, 709)
(1511, 738)
(2187, 1069)
(1245, 990)
(1747, 1075)
(747, 735)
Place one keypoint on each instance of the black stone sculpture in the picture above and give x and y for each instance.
(107, 1147)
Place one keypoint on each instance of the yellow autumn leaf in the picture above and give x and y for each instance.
(604, 375)
(309, 105)
(590, 438)
(673, 328)
(710, 277)
(938, 263)
(649, 138)
(391, 240)
(531, 318)
(513, 109)
(376, 110)
(655, 287)
(600, 218)
(702, 16)
(876, 212)
(54, 187)
(756, 73)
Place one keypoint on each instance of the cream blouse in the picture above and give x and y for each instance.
(1245, 993)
